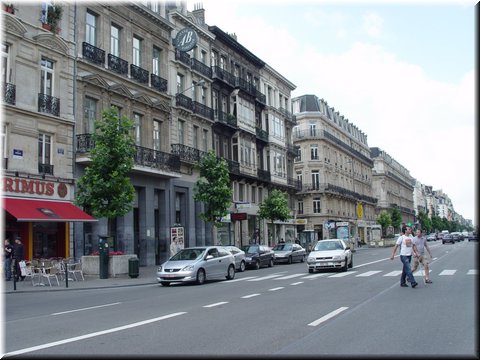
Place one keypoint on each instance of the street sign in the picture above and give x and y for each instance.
(186, 40)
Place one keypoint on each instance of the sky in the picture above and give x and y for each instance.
(403, 72)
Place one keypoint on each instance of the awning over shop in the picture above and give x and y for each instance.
(44, 210)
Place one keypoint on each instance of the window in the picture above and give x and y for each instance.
(90, 29)
(214, 58)
(300, 177)
(5, 64)
(136, 56)
(156, 61)
(241, 190)
(279, 163)
(90, 115)
(300, 207)
(44, 150)
(181, 132)
(315, 180)
(205, 139)
(316, 206)
(3, 142)
(196, 131)
(156, 135)
(254, 194)
(46, 81)
(180, 83)
(137, 131)
(203, 57)
(313, 129)
(115, 40)
(277, 127)
(203, 95)
(223, 63)
(314, 152)
(194, 91)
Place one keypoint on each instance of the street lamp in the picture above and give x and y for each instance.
(200, 83)
(355, 201)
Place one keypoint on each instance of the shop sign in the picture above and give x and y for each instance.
(238, 216)
(186, 40)
(301, 221)
(242, 206)
(17, 154)
(341, 223)
(225, 219)
(17, 185)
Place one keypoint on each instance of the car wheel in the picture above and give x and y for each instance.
(310, 271)
(271, 263)
(302, 259)
(257, 264)
(443, 242)
(165, 283)
(231, 272)
(289, 259)
(351, 262)
(200, 277)
(242, 266)
(345, 266)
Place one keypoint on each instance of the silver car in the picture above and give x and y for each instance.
(331, 253)
(197, 264)
(239, 256)
(289, 252)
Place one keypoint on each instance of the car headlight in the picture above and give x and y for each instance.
(338, 257)
(310, 260)
(248, 258)
(188, 268)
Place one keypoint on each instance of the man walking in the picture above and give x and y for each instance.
(407, 249)
(18, 255)
(421, 245)
(8, 250)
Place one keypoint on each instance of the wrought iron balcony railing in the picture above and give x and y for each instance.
(118, 65)
(93, 54)
(183, 101)
(261, 98)
(261, 134)
(84, 143)
(158, 83)
(233, 166)
(293, 149)
(156, 159)
(297, 184)
(139, 74)
(48, 104)
(203, 110)
(201, 68)
(227, 119)
(9, 93)
(187, 153)
(264, 175)
(224, 75)
(182, 57)
(45, 169)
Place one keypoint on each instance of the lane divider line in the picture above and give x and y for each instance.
(328, 316)
(83, 309)
(216, 304)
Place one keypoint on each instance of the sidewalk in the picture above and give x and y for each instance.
(147, 275)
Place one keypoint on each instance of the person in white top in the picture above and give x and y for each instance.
(407, 249)
(421, 245)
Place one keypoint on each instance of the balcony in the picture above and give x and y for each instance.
(183, 101)
(245, 86)
(157, 160)
(225, 76)
(158, 83)
(261, 134)
(201, 68)
(227, 119)
(264, 175)
(288, 116)
(93, 54)
(297, 184)
(202, 110)
(233, 166)
(9, 93)
(48, 104)
(84, 143)
(187, 153)
(45, 169)
(294, 150)
(117, 65)
(138, 74)
(261, 98)
(182, 57)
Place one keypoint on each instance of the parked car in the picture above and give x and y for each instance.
(197, 264)
(472, 236)
(289, 252)
(457, 236)
(257, 255)
(239, 256)
(448, 238)
(331, 253)
(432, 237)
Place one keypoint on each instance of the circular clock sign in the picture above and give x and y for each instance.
(186, 39)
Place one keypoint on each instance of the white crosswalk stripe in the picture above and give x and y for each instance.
(448, 272)
(472, 272)
(342, 274)
(394, 273)
(314, 276)
(289, 276)
(368, 273)
(265, 277)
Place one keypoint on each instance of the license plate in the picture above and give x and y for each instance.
(168, 275)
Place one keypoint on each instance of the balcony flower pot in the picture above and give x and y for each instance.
(8, 8)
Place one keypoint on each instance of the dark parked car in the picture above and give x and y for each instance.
(448, 238)
(258, 255)
(289, 252)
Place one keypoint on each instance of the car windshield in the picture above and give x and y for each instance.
(328, 245)
(251, 249)
(283, 247)
(188, 254)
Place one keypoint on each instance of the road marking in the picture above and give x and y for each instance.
(289, 276)
(250, 296)
(265, 277)
(87, 336)
(88, 308)
(472, 272)
(314, 276)
(343, 274)
(297, 283)
(369, 273)
(328, 316)
(216, 304)
(242, 279)
(448, 272)
(419, 273)
(277, 288)
(394, 273)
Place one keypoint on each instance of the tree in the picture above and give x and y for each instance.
(275, 207)
(425, 222)
(396, 217)
(213, 188)
(384, 220)
(105, 190)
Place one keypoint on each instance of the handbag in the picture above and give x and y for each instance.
(23, 267)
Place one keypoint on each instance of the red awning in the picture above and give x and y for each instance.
(44, 210)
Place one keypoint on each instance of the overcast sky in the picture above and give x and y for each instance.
(403, 72)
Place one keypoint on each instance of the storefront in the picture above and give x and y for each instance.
(41, 214)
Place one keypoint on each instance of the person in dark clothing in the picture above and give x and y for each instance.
(8, 250)
(18, 255)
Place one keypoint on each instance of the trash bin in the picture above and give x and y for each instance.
(103, 253)
(133, 267)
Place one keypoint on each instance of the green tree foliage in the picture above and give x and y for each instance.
(275, 207)
(213, 188)
(384, 219)
(424, 221)
(105, 190)
(396, 217)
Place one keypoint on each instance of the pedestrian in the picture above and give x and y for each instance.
(421, 245)
(407, 249)
(173, 246)
(8, 250)
(18, 255)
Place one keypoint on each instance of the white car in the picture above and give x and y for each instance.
(239, 256)
(330, 254)
(197, 264)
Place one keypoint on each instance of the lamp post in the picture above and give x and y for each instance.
(200, 83)
(355, 203)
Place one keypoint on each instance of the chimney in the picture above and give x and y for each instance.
(199, 12)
